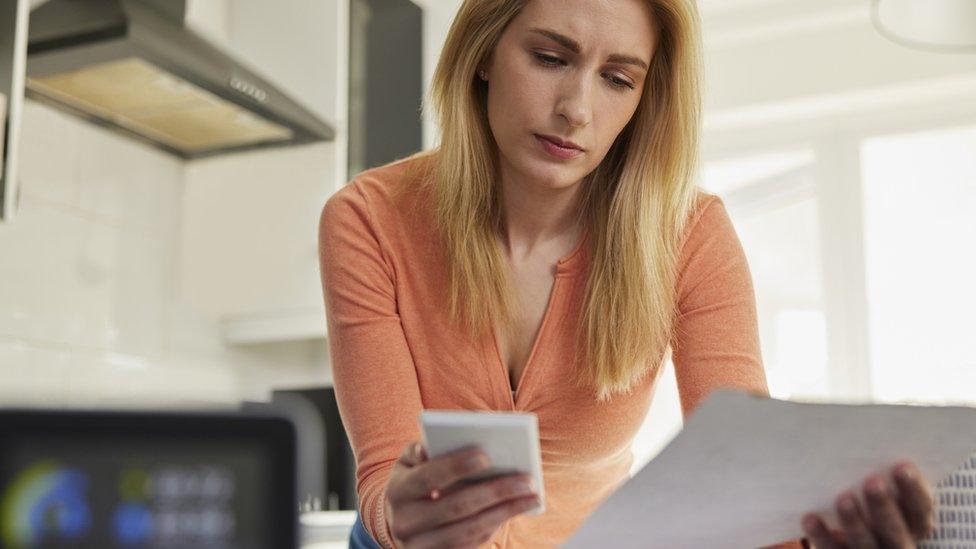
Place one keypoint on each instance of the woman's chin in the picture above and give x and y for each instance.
(553, 177)
(558, 181)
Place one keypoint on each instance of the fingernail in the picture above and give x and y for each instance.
(877, 487)
(809, 523)
(847, 504)
(473, 463)
(905, 472)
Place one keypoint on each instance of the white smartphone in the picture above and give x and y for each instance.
(511, 440)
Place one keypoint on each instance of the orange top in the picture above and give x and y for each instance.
(395, 352)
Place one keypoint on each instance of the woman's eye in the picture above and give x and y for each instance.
(552, 62)
(620, 83)
(548, 60)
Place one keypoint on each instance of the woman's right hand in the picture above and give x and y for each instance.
(425, 508)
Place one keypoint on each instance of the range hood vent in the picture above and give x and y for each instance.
(134, 67)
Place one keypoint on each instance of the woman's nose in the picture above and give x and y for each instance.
(574, 105)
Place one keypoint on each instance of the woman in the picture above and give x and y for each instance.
(544, 258)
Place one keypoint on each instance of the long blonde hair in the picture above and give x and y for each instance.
(635, 203)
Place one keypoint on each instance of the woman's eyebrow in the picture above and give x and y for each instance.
(574, 46)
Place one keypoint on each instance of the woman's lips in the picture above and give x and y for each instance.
(556, 150)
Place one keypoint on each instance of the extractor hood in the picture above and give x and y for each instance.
(134, 67)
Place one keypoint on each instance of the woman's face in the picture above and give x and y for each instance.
(570, 69)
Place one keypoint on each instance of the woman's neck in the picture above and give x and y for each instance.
(537, 219)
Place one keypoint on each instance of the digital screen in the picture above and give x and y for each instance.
(136, 491)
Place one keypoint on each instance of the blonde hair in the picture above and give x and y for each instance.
(635, 203)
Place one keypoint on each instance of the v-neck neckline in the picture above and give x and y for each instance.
(575, 259)
(566, 266)
(519, 389)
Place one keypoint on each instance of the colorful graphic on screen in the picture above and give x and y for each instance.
(140, 492)
(45, 502)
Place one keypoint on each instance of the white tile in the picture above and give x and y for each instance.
(284, 365)
(259, 253)
(90, 380)
(91, 309)
(126, 182)
(48, 155)
(32, 376)
(140, 292)
(120, 380)
(84, 283)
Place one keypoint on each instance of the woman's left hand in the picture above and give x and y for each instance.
(897, 514)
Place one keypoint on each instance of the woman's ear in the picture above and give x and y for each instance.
(483, 67)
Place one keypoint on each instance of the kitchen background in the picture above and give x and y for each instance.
(132, 278)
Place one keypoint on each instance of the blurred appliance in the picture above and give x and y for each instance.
(385, 82)
(326, 464)
(338, 490)
(134, 67)
(13, 45)
(933, 25)
(88, 479)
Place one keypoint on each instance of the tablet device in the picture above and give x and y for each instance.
(139, 479)
(511, 440)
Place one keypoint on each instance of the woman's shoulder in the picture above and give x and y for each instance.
(704, 204)
(382, 210)
(387, 181)
(382, 194)
(710, 245)
(707, 217)
(709, 237)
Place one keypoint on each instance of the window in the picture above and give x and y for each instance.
(772, 200)
(920, 250)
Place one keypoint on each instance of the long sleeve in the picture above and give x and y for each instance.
(373, 372)
(717, 334)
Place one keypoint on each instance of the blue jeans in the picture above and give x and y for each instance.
(359, 538)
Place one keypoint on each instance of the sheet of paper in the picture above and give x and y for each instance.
(744, 469)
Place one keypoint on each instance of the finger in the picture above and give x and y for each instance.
(474, 530)
(469, 481)
(886, 518)
(411, 455)
(915, 499)
(465, 502)
(442, 471)
(856, 528)
(816, 531)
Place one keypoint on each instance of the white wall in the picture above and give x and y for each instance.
(90, 309)
(806, 66)
(93, 310)
(438, 15)
(251, 219)
(249, 233)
